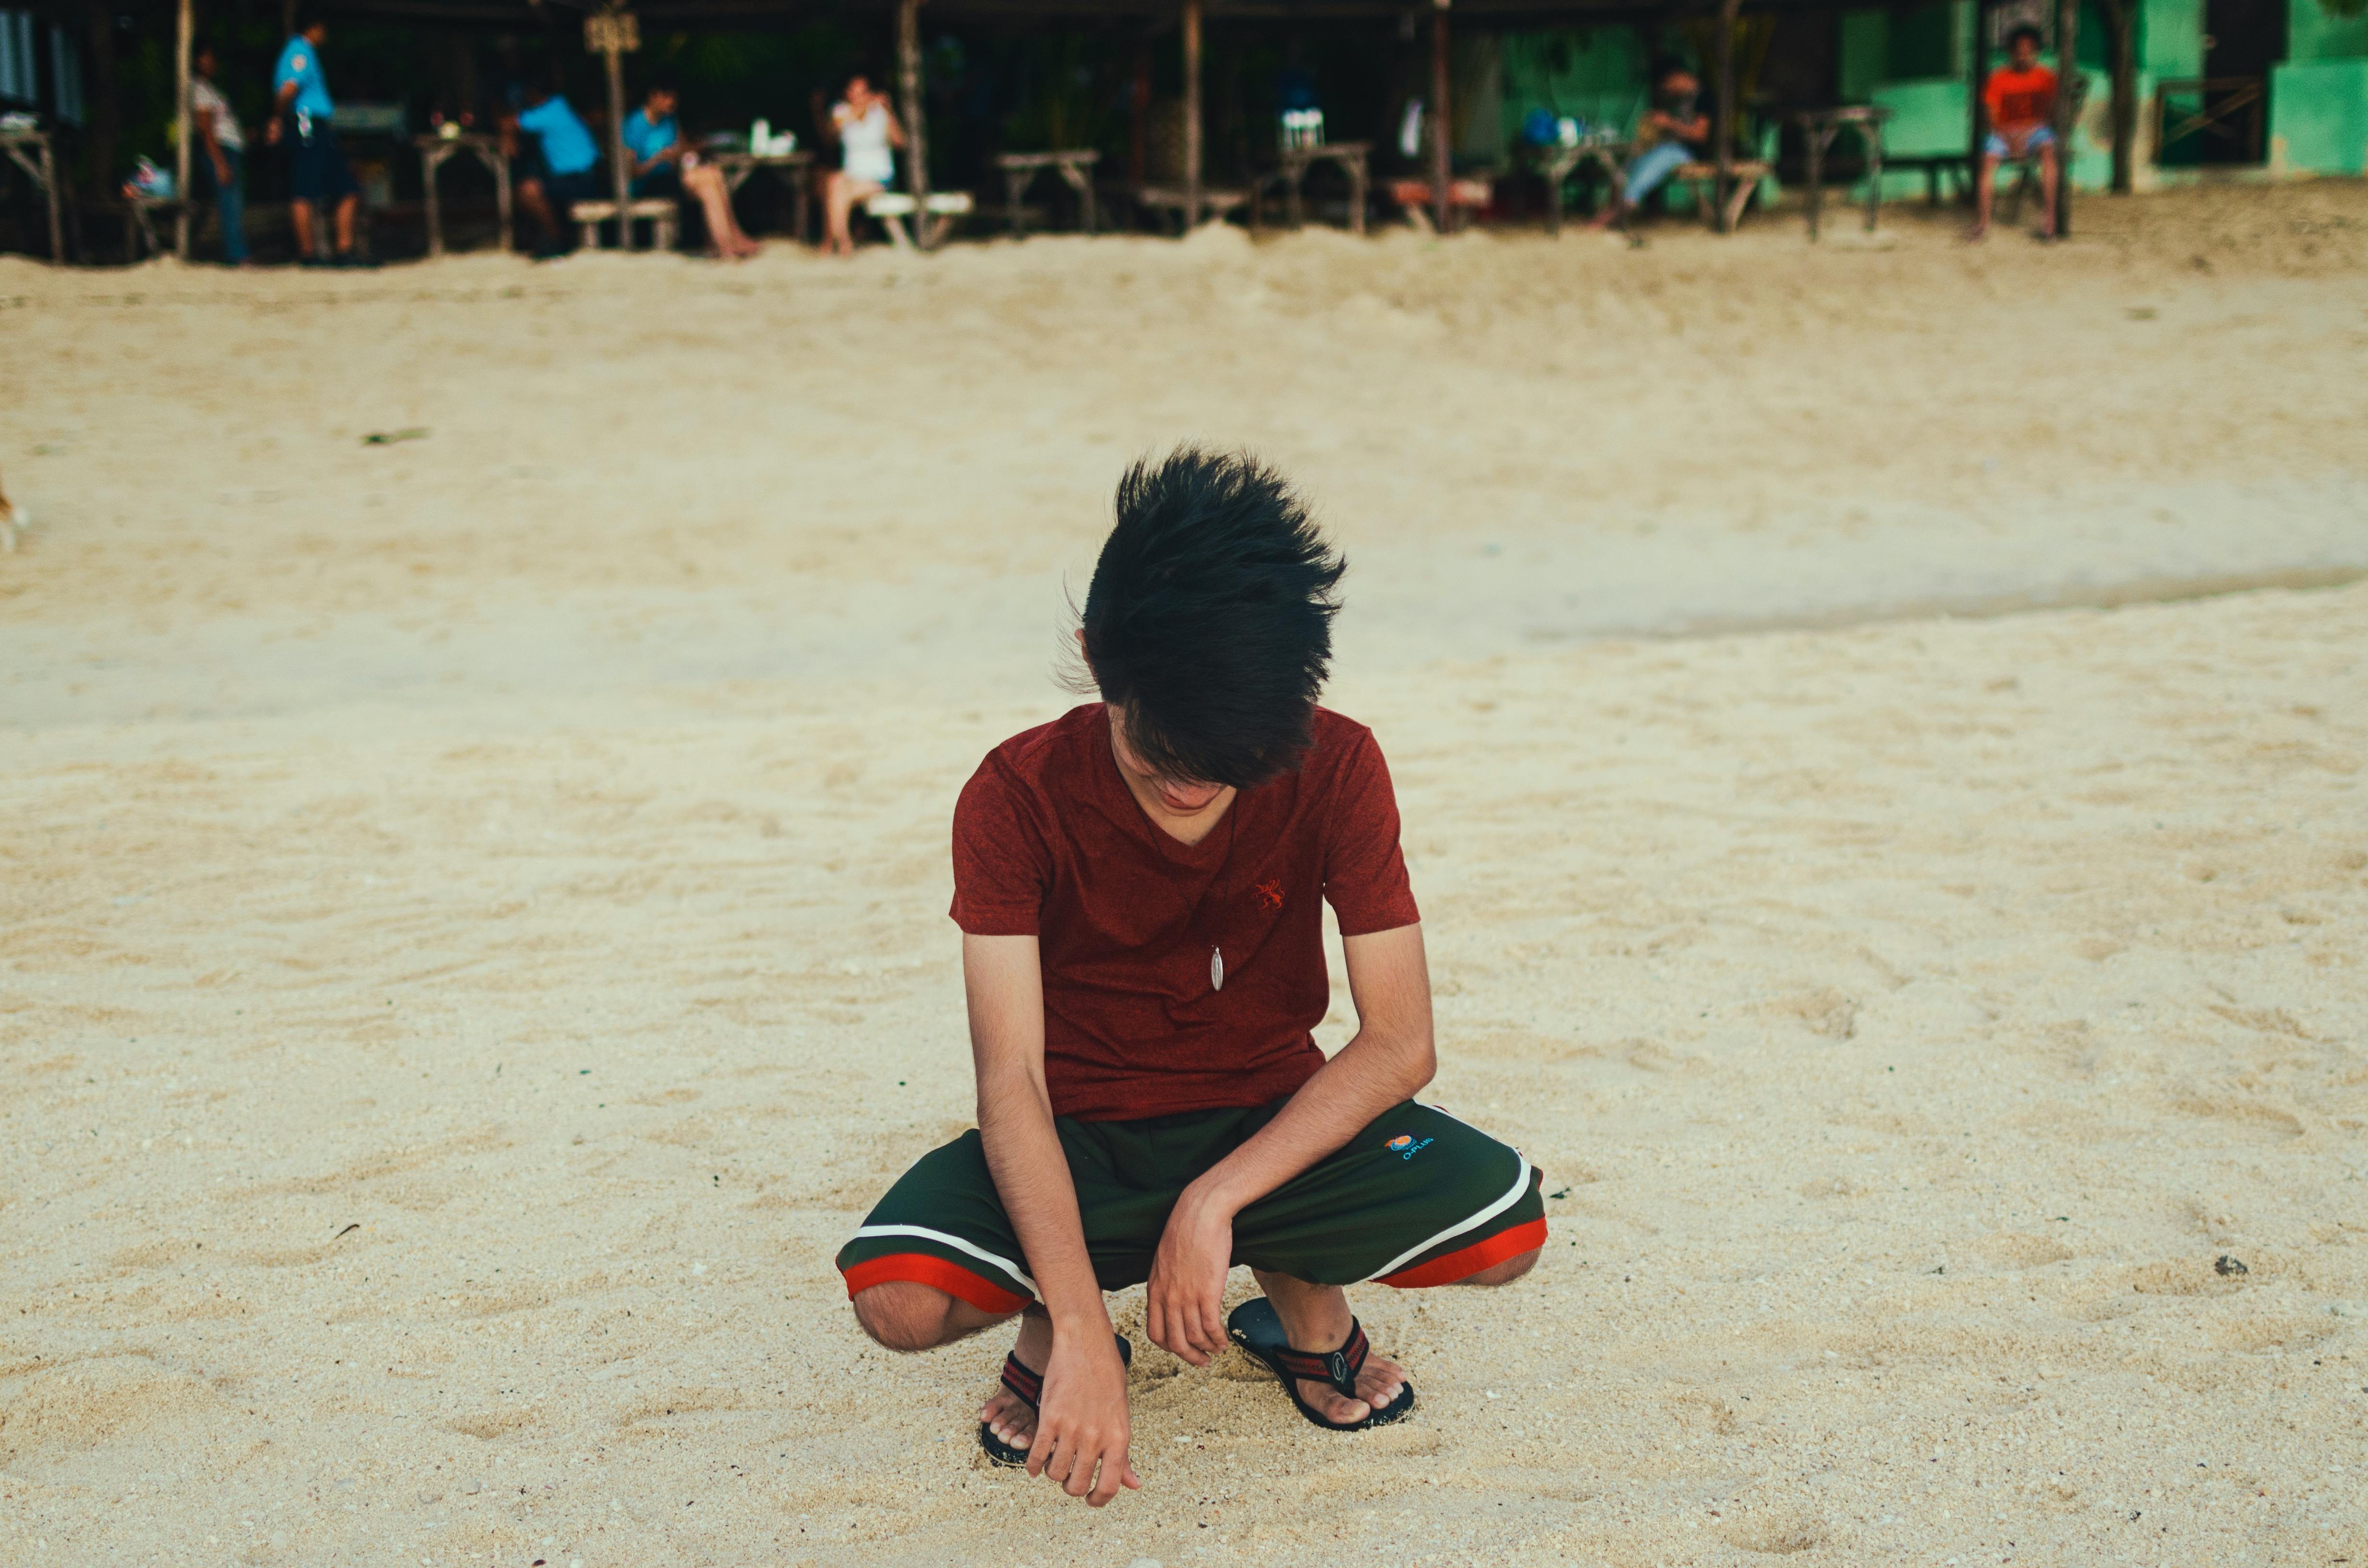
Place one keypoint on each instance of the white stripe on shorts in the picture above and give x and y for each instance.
(1513, 1195)
(980, 1253)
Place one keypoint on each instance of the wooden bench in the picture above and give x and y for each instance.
(892, 207)
(661, 212)
(1934, 165)
(1075, 167)
(1466, 194)
(1215, 202)
(1747, 173)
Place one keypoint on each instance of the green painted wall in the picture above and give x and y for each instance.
(2311, 33)
(2318, 116)
(1595, 75)
(2318, 99)
(2171, 38)
(1918, 61)
(1864, 58)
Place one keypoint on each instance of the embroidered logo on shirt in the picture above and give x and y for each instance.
(1269, 894)
(1405, 1147)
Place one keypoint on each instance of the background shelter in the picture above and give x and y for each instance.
(2178, 89)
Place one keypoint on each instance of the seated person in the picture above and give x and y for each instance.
(2018, 100)
(1139, 885)
(865, 129)
(555, 170)
(663, 165)
(1675, 133)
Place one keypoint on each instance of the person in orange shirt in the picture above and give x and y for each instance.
(2019, 101)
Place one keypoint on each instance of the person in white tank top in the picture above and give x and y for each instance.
(866, 131)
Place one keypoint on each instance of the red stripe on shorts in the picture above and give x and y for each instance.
(921, 1268)
(1467, 1261)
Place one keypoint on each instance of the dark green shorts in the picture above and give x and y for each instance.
(1417, 1198)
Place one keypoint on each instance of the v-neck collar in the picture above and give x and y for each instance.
(1199, 856)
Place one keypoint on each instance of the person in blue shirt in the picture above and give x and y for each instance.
(316, 165)
(664, 166)
(555, 171)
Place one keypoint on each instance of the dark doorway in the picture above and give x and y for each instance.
(2242, 39)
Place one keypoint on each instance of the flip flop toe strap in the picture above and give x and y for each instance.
(1027, 1386)
(1339, 1367)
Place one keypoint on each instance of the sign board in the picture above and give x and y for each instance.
(608, 31)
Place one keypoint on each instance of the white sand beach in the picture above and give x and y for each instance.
(1881, 731)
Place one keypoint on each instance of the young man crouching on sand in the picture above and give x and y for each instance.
(1137, 886)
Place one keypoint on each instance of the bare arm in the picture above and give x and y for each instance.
(1389, 1059)
(213, 146)
(895, 130)
(1082, 1422)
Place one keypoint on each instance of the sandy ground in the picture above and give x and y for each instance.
(472, 909)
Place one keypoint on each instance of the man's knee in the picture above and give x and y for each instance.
(902, 1314)
(1504, 1272)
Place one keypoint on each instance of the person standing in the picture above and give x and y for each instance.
(222, 167)
(2019, 101)
(318, 176)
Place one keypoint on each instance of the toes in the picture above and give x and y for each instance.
(1334, 1405)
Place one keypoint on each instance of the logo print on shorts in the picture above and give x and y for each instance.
(1405, 1147)
(1270, 894)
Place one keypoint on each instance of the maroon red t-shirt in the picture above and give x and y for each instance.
(1048, 843)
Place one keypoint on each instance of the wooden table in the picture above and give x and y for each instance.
(487, 150)
(1075, 164)
(1292, 173)
(1609, 154)
(1818, 128)
(30, 151)
(789, 167)
(1215, 202)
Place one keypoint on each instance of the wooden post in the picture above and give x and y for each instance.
(917, 134)
(185, 35)
(2067, 82)
(620, 171)
(614, 32)
(1191, 115)
(1443, 118)
(1722, 122)
(1978, 125)
(103, 111)
(1139, 100)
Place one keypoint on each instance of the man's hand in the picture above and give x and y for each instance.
(1082, 1424)
(271, 131)
(221, 171)
(1186, 1293)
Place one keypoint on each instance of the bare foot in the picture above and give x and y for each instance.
(1378, 1383)
(1010, 1417)
(1976, 234)
(1316, 1321)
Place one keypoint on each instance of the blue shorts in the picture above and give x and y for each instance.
(316, 164)
(1994, 145)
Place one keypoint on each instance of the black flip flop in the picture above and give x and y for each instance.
(1029, 1387)
(1258, 1329)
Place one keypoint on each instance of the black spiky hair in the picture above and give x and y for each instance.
(1209, 620)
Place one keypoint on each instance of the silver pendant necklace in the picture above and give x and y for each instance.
(1216, 950)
